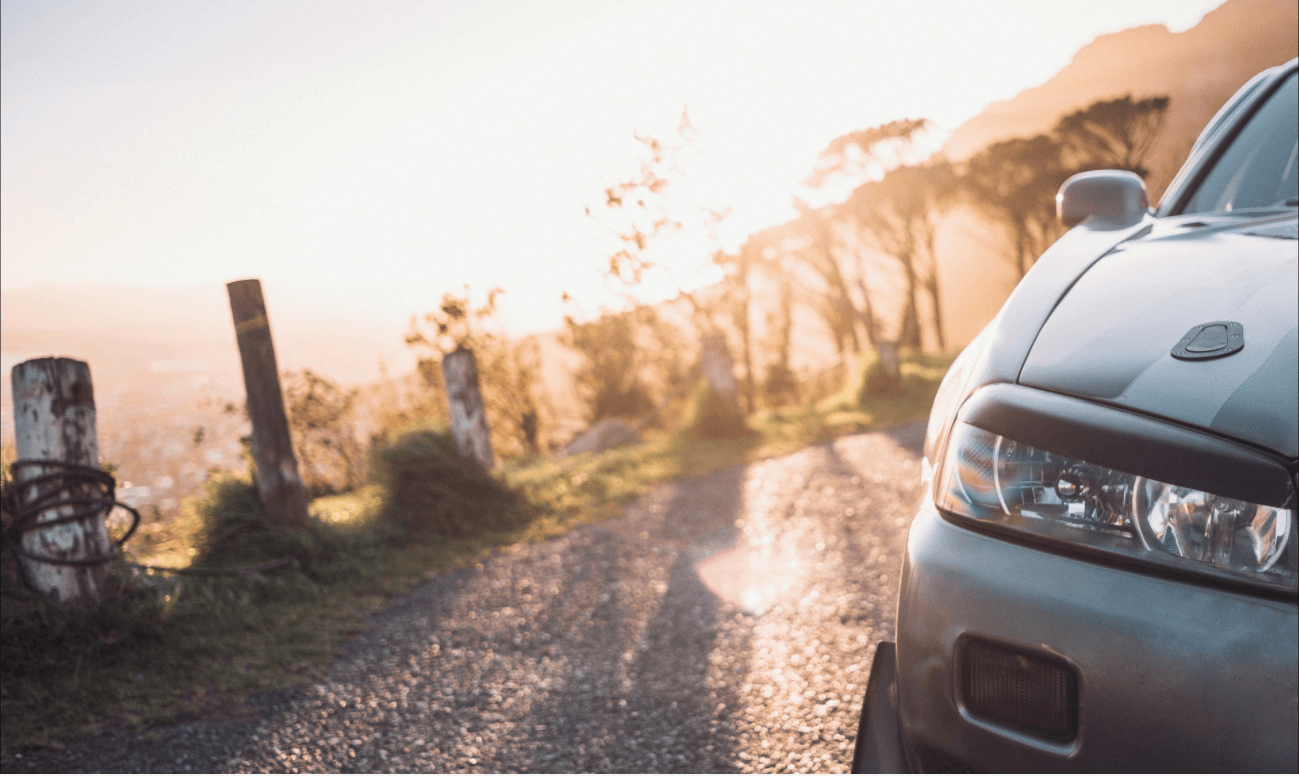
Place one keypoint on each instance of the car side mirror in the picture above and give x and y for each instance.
(1109, 199)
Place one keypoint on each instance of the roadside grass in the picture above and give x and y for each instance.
(168, 647)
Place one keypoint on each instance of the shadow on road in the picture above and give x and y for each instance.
(642, 693)
(910, 437)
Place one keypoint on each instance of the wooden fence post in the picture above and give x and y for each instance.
(278, 481)
(465, 405)
(54, 420)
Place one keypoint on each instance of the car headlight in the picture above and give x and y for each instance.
(991, 478)
(951, 392)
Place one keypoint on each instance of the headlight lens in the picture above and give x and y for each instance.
(995, 479)
(951, 392)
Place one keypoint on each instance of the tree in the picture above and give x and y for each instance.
(867, 153)
(610, 380)
(819, 247)
(899, 213)
(1112, 134)
(642, 214)
(736, 298)
(779, 385)
(639, 210)
(892, 194)
(1014, 183)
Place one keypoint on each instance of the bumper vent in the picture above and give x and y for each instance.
(1021, 690)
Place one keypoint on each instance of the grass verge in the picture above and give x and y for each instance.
(165, 648)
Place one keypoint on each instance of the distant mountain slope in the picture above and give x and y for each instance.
(1199, 69)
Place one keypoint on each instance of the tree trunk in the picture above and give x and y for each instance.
(1021, 249)
(936, 302)
(911, 336)
(465, 405)
(868, 315)
(278, 481)
(54, 420)
(932, 282)
(746, 335)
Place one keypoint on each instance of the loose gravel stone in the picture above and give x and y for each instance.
(724, 624)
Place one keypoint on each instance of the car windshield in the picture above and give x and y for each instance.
(1258, 170)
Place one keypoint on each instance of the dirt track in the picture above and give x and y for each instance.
(721, 624)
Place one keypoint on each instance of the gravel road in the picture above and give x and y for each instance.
(721, 624)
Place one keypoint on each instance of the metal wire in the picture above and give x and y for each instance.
(66, 485)
(89, 491)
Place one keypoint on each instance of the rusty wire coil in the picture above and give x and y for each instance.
(59, 487)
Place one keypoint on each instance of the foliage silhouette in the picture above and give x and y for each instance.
(710, 415)
(1014, 182)
(1113, 134)
(900, 214)
(610, 381)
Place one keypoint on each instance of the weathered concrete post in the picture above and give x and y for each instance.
(890, 360)
(717, 366)
(465, 403)
(278, 481)
(54, 420)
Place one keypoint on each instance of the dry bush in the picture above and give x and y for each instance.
(323, 426)
(431, 489)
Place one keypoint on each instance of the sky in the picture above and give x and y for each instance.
(367, 157)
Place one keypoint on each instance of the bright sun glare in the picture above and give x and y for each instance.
(370, 159)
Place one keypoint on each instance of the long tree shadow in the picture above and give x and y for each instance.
(910, 437)
(644, 691)
(410, 633)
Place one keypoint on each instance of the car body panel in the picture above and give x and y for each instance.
(1111, 337)
(998, 353)
(1011, 334)
(878, 748)
(1172, 677)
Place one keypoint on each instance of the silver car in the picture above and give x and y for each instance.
(1103, 575)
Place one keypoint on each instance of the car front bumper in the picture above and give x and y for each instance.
(1170, 676)
(879, 741)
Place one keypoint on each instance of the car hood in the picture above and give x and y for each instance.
(1111, 337)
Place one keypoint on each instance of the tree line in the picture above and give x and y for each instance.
(863, 263)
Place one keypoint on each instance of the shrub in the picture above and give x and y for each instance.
(233, 529)
(780, 386)
(39, 634)
(431, 489)
(320, 414)
(709, 415)
(876, 382)
(610, 378)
